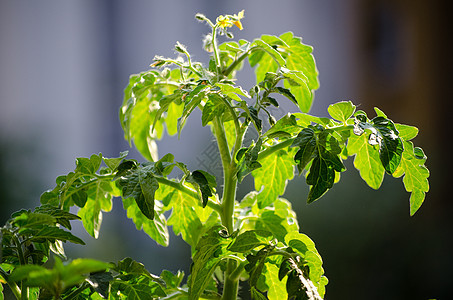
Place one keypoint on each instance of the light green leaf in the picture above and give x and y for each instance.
(277, 288)
(406, 132)
(366, 160)
(272, 177)
(99, 198)
(341, 111)
(155, 228)
(270, 50)
(183, 218)
(232, 91)
(415, 176)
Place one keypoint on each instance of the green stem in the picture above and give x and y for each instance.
(228, 198)
(178, 186)
(230, 288)
(265, 153)
(15, 290)
(235, 63)
(216, 50)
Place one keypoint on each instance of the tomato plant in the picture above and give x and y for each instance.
(255, 239)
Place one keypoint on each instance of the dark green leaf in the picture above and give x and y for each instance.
(249, 240)
(54, 233)
(205, 183)
(100, 281)
(214, 107)
(191, 101)
(210, 250)
(113, 163)
(306, 141)
(285, 92)
(141, 185)
(247, 160)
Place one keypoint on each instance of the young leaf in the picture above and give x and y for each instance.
(247, 160)
(341, 111)
(191, 101)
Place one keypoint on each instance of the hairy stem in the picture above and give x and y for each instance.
(228, 198)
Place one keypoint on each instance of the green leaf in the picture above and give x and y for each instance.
(247, 160)
(214, 107)
(249, 240)
(210, 250)
(205, 182)
(54, 233)
(277, 287)
(128, 267)
(191, 101)
(305, 247)
(276, 56)
(384, 134)
(113, 163)
(141, 184)
(60, 277)
(88, 165)
(142, 290)
(325, 160)
(232, 91)
(341, 111)
(300, 58)
(155, 228)
(415, 176)
(272, 177)
(286, 124)
(278, 219)
(172, 281)
(100, 197)
(306, 141)
(29, 219)
(406, 132)
(366, 160)
(183, 218)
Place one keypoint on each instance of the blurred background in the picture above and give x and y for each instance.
(64, 65)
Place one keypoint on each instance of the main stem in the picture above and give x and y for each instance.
(231, 283)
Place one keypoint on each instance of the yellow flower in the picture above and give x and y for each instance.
(224, 21)
(238, 18)
(230, 20)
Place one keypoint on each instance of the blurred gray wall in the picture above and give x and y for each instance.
(64, 64)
